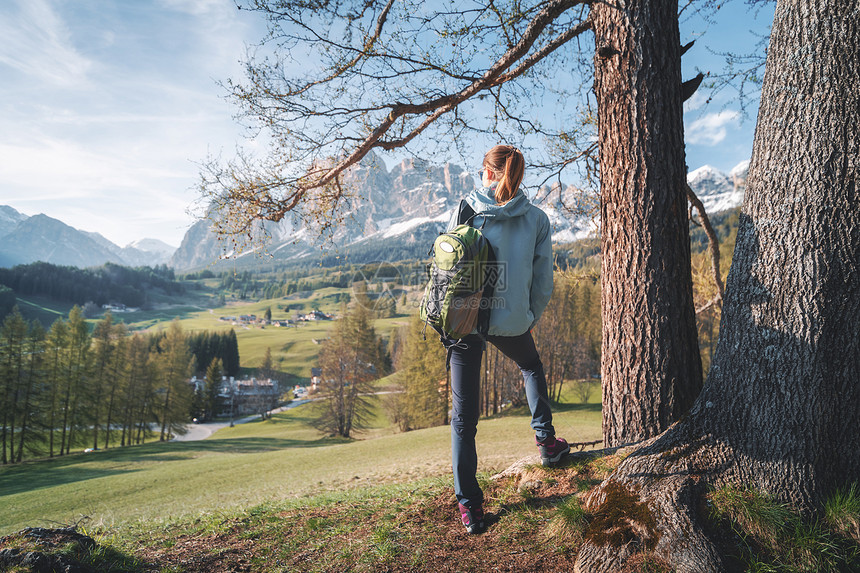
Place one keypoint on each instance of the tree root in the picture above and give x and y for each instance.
(521, 466)
(654, 502)
(653, 506)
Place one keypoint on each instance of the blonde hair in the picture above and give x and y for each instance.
(508, 163)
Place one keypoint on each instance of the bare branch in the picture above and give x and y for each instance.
(713, 245)
(494, 76)
(716, 300)
(375, 84)
(368, 46)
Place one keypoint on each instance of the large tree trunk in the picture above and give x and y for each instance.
(651, 367)
(780, 407)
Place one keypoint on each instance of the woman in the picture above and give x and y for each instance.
(521, 238)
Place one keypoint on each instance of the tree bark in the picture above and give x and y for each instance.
(779, 410)
(650, 367)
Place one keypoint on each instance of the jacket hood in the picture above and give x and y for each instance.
(483, 201)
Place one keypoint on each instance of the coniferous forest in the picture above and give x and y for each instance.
(110, 283)
(68, 387)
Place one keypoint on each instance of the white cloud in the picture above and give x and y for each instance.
(712, 128)
(120, 193)
(696, 101)
(196, 7)
(38, 43)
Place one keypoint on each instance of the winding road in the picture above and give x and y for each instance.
(202, 431)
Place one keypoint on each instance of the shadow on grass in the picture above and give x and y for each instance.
(23, 479)
(562, 407)
(557, 407)
(253, 445)
(46, 473)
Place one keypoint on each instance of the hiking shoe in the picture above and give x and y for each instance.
(473, 519)
(552, 450)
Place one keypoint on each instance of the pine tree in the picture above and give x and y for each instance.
(212, 389)
(230, 356)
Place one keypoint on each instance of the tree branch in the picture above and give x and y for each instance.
(278, 186)
(494, 76)
(713, 246)
(368, 46)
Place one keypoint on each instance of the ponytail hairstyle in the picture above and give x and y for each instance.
(508, 164)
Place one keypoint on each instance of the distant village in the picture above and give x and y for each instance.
(254, 320)
(244, 397)
(119, 308)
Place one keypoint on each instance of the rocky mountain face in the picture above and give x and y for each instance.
(199, 248)
(412, 197)
(26, 239)
(397, 213)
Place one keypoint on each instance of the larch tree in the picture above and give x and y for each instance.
(267, 367)
(13, 341)
(350, 359)
(115, 387)
(175, 364)
(75, 378)
(779, 410)
(55, 344)
(421, 377)
(335, 81)
(33, 391)
(102, 376)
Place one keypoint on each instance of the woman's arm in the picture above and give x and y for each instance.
(541, 289)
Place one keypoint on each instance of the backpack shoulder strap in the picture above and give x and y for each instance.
(465, 213)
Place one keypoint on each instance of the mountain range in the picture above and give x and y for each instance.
(26, 239)
(397, 214)
(401, 211)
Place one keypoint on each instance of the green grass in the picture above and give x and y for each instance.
(294, 350)
(409, 526)
(842, 511)
(249, 464)
(43, 309)
(774, 538)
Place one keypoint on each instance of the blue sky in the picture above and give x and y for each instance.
(107, 106)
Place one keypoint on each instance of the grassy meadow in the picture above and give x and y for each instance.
(294, 349)
(262, 461)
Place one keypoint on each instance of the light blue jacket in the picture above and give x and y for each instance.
(521, 236)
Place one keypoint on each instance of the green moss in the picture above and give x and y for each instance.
(620, 518)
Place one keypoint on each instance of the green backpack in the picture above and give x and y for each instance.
(457, 298)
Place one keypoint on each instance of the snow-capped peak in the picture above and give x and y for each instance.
(151, 246)
(741, 169)
(704, 172)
